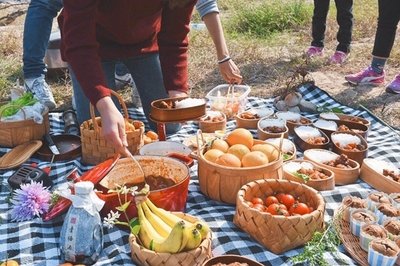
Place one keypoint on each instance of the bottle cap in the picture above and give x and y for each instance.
(84, 187)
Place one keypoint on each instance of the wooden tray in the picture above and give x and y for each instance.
(350, 242)
(158, 114)
(357, 156)
(320, 185)
(377, 180)
(19, 154)
(304, 145)
(227, 259)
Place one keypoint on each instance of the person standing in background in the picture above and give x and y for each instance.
(389, 17)
(209, 13)
(344, 19)
(37, 29)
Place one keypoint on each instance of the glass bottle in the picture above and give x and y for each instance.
(81, 237)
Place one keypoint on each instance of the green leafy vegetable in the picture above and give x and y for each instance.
(302, 176)
(321, 242)
(324, 109)
(286, 156)
(14, 106)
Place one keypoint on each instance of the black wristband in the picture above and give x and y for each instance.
(226, 59)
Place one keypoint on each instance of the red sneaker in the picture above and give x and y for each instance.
(367, 76)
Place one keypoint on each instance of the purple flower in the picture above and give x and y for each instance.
(31, 200)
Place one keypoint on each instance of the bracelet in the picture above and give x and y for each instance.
(223, 60)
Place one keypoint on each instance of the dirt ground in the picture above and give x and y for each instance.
(262, 68)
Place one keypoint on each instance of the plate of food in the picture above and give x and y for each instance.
(177, 109)
(382, 175)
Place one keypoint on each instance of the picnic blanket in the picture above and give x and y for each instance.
(37, 243)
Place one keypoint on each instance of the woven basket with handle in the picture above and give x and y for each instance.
(96, 149)
(276, 232)
(13, 133)
(194, 257)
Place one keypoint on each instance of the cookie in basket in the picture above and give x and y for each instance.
(360, 217)
(393, 228)
(382, 252)
(352, 204)
(376, 198)
(370, 232)
(386, 211)
(396, 199)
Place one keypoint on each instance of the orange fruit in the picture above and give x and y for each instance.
(229, 160)
(151, 134)
(220, 144)
(240, 136)
(269, 150)
(239, 150)
(254, 158)
(212, 155)
(10, 263)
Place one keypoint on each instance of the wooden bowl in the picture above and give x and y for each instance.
(159, 114)
(277, 232)
(211, 127)
(357, 156)
(343, 176)
(263, 135)
(328, 132)
(376, 179)
(252, 123)
(354, 119)
(227, 259)
(320, 185)
(304, 145)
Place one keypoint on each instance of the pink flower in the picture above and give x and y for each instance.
(31, 201)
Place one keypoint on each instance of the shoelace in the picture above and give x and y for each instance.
(38, 89)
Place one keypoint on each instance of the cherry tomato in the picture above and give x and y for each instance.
(288, 200)
(257, 201)
(271, 200)
(259, 207)
(273, 209)
(299, 208)
(279, 196)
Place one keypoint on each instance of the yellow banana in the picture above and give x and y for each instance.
(194, 238)
(203, 228)
(158, 224)
(168, 217)
(147, 233)
(174, 242)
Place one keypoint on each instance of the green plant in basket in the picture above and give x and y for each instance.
(14, 106)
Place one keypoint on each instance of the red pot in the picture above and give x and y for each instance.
(172, 198)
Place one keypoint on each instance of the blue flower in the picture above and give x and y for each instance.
(30, 201)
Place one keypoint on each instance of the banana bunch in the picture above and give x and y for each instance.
(163, 231)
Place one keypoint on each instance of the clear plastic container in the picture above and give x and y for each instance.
(229, 99)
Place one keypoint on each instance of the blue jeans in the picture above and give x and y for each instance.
(37, 29)
(147, 75)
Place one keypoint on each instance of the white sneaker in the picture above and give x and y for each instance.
(41, 91)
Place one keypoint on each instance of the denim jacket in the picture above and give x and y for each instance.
(205, 7)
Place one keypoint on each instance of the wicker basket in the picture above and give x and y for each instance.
(146, 257)
(13, 133)
(222, 183)
(276, 232)
(95, 149)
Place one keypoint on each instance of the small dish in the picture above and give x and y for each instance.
(291, 170)
(293, 120)
(249, 118)
(357, 151)
(227, 259)
(343, 117)
(308, 137)
(343, 176)
(372, 172)
(68, 145)
(212, 121)
(288, 148)
(162, 110)
(271, 128)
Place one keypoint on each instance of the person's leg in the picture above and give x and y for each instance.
(147, 75)
(37, 29)
(81, 101)
(389, 15)
(345, 21)
(321, 8)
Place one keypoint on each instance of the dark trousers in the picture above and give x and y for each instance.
(344, 19)
(389, 16)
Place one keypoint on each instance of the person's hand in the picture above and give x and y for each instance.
(230, 72)
(176, 94)
(113, 124)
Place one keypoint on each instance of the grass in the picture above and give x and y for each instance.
(266, 39)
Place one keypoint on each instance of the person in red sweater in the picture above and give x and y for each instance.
(149, 37)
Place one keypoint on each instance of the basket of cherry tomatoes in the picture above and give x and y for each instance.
(279, 214)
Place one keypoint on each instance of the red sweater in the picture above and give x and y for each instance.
(95, 30)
